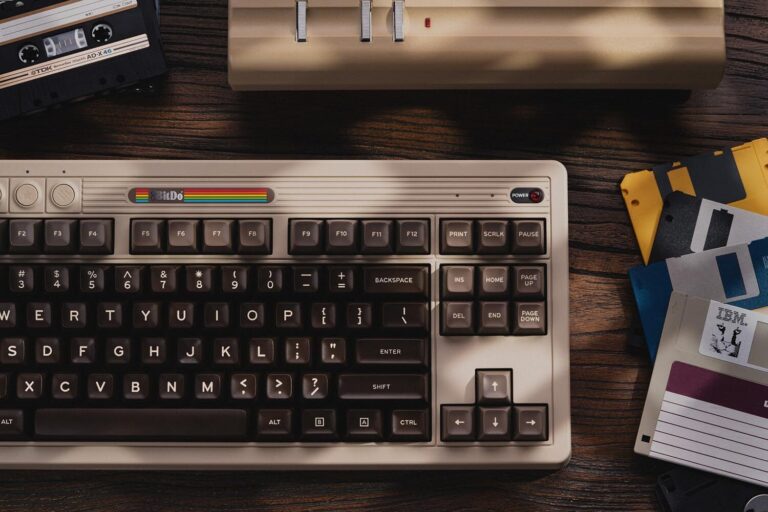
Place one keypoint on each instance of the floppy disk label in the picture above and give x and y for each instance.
(62, 15)
(737, 336)
(714, 422)
(73, 61)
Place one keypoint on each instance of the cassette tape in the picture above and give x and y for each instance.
(692, 224)
(707, 405)
(53, 52)
(737, 177)
(686, 490)
(735, 274)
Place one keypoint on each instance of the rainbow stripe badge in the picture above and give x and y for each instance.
(215, 195)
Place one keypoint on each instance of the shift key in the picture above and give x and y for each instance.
(383, 387)
(396, 280)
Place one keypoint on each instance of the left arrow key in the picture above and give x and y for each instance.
(458, 423)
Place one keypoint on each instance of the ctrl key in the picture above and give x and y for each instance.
(11, 424)
(410, 425)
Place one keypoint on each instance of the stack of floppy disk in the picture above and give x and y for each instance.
(702, 227)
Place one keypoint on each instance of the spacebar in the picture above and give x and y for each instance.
(167, 424)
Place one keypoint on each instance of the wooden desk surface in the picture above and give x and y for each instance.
(598, 136)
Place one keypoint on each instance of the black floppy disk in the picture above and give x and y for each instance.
(691, 224)
(687, 490)
(53, 52)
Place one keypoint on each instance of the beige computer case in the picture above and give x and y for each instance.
(477, 44)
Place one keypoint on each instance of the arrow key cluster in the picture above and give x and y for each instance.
(494, 417)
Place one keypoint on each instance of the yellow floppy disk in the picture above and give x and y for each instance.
(737, 177)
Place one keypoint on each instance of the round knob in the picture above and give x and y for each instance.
(63, 195)
(26, 195)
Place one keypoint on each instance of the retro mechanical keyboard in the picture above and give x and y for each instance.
(284, 314)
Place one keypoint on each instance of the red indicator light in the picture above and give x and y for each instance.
(535, 196)
(428, 22)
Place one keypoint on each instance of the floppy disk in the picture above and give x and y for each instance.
(693, 224)
(735, 274)
(686, 490)
(737, 177)
(707, 405)
(54, 51)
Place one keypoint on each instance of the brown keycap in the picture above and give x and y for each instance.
(494, 424)
(529, 236)
(530, 318)
(492, 237)
(412, 425)
(457, 423)
(182, 236)
(382, 387)
(412, 237)
(493, 386)
(456, 237)
(493, 281)
(457, 282)
(493, 318)
(529, 281)
(390, 351)
(457, 318)
(530, 423)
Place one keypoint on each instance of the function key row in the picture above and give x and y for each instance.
(190, 236)
(493, 236)
(56, 236)
(345, 236)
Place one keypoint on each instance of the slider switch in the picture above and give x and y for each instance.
(398, 20)
(301, 21)
(365, 20)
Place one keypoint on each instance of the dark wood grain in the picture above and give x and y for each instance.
(597, 135)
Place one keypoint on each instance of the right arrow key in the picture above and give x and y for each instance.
(530, 422)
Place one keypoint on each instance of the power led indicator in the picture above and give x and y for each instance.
(527, 195)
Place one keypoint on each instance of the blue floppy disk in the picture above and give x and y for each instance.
(735, 275)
